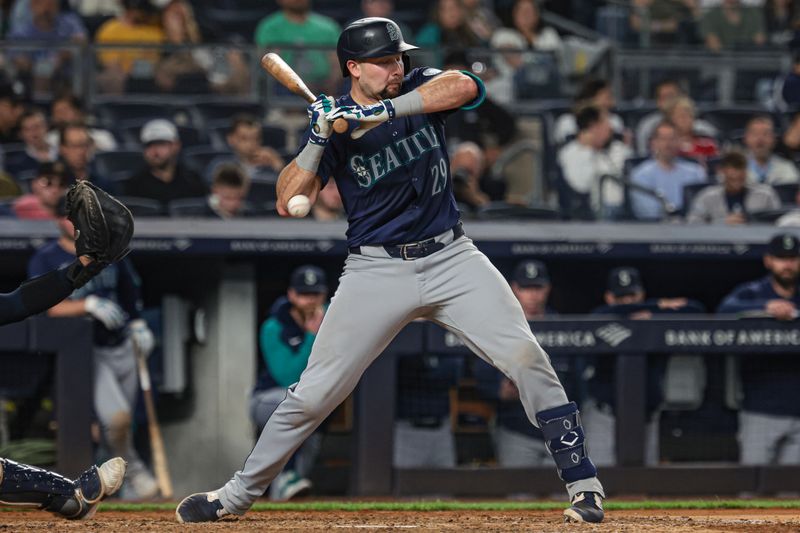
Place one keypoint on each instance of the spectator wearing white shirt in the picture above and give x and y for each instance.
(763, 166)
(592, 154)
(663, 173)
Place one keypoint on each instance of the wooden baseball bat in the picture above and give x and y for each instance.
(281, 71)
(156, 441)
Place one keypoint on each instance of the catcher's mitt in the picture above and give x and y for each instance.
(103, 227)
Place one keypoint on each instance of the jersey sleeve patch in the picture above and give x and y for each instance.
(431, 72)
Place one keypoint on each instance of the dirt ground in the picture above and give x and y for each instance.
(331, 522)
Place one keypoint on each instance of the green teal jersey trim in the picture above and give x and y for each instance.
(481, 92)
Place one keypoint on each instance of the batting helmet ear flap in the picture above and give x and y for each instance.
(406, 64)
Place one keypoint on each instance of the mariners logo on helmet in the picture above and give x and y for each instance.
(393, 31)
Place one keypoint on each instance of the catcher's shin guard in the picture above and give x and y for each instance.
(29, 486)
(563, 435)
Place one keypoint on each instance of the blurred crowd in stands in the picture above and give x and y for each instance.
(71, 67)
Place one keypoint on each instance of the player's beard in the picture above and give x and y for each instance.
(785, 278)
(392, 90)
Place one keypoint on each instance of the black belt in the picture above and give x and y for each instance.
(415, 250)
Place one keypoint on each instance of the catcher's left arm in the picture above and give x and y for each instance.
(103, 229)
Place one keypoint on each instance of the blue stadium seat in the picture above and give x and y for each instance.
(7, 207)
(631, 115)
(690, 192)
(142, 207)
(572, 204)
(787, 192)
(502, 210)
(112, 114)
(231, 24)
(262, 191)
(538, 77)
(118, 162)
(199, 157)
(188, 207)
(215, 111)
(729, 119)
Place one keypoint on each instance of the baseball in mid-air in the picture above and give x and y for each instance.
(298, 205)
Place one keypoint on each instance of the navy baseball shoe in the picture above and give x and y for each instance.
(586, 507)
(200, 507)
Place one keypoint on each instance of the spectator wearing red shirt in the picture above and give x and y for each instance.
(681, 113)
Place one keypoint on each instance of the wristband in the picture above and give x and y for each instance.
(310, 156)
(406, 104)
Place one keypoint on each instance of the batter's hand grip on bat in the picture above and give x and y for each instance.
(281, 71)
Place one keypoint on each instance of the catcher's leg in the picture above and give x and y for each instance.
(30, 486)
(376, 298)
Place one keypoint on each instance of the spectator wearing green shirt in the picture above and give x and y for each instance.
(731, 25)
(296, 25)
(286, 338)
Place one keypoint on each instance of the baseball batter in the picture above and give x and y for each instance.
(409, 258)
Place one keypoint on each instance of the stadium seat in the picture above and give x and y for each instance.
(236, 24)
(787, 192)
(769, 216)
(200, 157)
(113, 114)
(188, 207)
(6, 207)
(118, 162)
(142, 207)
(728, 120)
(502, 210)
(572, 204)
(690, 192)
(266, 209)
(209, 112)
(538, 77)
(633, 162)
(262, 190)
(631, 115)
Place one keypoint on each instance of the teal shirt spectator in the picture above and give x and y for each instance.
(429, 35)
(285, 345)
(317, 31)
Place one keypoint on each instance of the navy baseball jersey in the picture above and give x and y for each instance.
(118, 282)
(769, 382)
(394, 181)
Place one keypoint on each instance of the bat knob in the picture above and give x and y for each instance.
(340, 125)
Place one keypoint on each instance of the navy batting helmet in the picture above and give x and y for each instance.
(371, 37)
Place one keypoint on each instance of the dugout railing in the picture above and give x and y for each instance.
(630, 343)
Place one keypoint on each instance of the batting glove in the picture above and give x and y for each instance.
(321, 126)
(107, 312)
(368, 117)
(141, 336)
